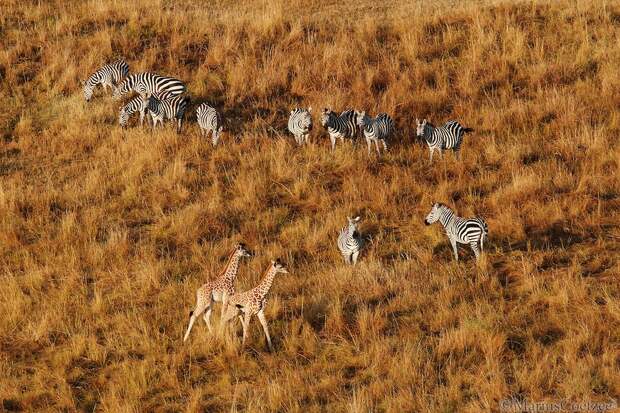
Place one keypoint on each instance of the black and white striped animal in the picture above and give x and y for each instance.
(209, 121)
(448, 136)
(137, 104)
(300, 124)
(459, 230)
(349, 241)
(339, 126)
(147, 83)
(376, 129)
(172, 108)
(108, 76)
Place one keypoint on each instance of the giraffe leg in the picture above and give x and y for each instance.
(230, 312)
(456, 252)
(246, 324)
(263, 322)
(224, 305)
(192, 319)
(207, 317)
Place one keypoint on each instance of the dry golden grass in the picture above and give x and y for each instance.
(107, 234)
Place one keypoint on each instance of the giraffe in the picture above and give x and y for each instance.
(253, 302)
(219, 289)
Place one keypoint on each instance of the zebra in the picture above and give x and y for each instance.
(343, 126)
(349, 241)
(300, 124)
(448, 136)
(147, 83)
(375, 130)
(171, 108)
(137, 104)
(462, 230)
(109, 75)
(209, 121)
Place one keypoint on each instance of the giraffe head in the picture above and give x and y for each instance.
(433, 216)
(278, 266)
(242, 251)
(420, 127)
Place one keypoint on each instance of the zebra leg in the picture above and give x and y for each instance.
(454, 248)
(377, 147)
(384, 145)
(457, 154)
(354, 257)
(431, 149)
(440, 153)
(474, 247)
(369, 145)
(333, 140)
(179, 123)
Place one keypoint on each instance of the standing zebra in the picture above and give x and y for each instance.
(148, 83)
(448, 136)
(109, 75)
(209, 121)
(343, 126)
(375, 130)
(171, 108)
(300, 124)
(137, 104)
(462, 230)
(350, 241)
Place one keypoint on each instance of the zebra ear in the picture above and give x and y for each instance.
(292, 111)
(309, 108)
(357, 219)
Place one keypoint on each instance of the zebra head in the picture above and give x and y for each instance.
(353, 223)
(215, 137)
(421, 127)
(88, 90)
(435, 213)
(360, 118)
(123, 116)
(326, 116)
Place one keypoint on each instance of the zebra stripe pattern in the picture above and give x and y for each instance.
(343, 126)
(448, 136)
(300, 124)
(147, 83)
(171, 108)
(209, 122)
(108, 76)
(350, 241)
(375, 130)
(459, 230)
(137, 104)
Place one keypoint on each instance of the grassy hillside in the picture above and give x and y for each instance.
(106, 234)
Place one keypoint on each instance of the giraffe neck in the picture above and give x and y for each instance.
(232, 267)
(265, 284)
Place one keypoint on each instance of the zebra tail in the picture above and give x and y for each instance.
(468, 130)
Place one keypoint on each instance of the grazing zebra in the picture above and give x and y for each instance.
(171, 108)
(300, 124)
(375, 130)
(448, 136)
(462, 230)
(137, 104)
(109, 75)
(209, 121)
(350, 241)
(148, 83)
(343, 126)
